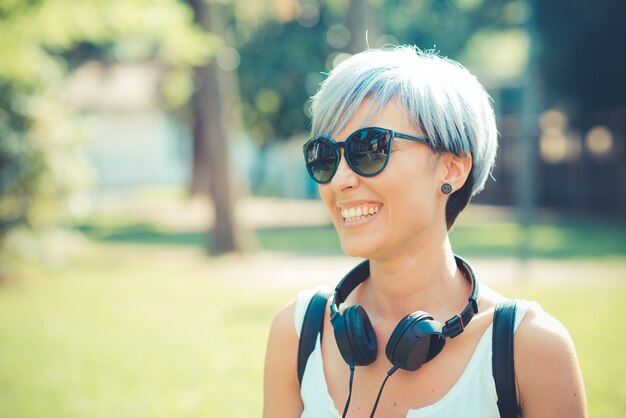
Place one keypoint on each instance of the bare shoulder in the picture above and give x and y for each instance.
(283, 322)
(541, 337)
(540, 326)
(281, 389)
(546, 366)
(282, 343)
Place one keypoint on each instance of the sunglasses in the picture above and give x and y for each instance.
(366, 150)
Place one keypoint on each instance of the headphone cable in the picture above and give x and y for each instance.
(345, 409)
(380, 392)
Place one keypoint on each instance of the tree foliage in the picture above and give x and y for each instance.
(41, 166)
(283, 61)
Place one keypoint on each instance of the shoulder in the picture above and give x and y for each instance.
(542, 337)
(283, 328)
(537, 323)
(547, 370)
(282, 345)
(281, 388)
(281, 393)
(288, 321)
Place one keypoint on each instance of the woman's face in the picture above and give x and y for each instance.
(396, 211)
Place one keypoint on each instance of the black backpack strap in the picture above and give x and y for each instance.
(312, 325)
(502, 358)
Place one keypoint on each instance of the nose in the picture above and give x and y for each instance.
(344, 177)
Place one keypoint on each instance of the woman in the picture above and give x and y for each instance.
(401, 141)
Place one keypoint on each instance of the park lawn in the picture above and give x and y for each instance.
(130, 329)
(562, 239)
(127, 331)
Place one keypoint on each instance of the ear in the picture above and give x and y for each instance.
(455, 169)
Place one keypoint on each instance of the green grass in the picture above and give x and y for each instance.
(142, 325)
(118, 335)
(562, 240)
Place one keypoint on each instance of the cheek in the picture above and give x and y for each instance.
(413, 191)
(323, 190)
(326, 195)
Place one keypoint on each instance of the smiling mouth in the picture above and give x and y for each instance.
(358, 213)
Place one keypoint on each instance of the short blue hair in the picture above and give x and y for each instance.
(441, 97)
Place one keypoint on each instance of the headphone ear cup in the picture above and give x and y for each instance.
(416, 340)
(361, 336)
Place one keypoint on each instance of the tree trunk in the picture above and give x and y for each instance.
(215, 121)
(363, 26)
(199, 181)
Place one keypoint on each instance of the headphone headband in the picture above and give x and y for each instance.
(453, 326)
(350, 281)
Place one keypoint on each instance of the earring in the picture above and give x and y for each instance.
(446, 188)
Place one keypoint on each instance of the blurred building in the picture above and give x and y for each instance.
(131, 139)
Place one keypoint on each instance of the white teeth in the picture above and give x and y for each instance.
(359, 213)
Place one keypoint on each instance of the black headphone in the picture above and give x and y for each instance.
(417, 338)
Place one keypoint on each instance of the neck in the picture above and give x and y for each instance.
(426, 280)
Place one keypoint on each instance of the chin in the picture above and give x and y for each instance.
(358, 247)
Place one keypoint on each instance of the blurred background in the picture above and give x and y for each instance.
(155, 211)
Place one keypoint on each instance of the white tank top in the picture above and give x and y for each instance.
(472, 396)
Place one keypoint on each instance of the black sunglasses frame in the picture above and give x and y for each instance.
(389, 133)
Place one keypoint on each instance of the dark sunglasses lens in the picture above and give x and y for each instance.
(321, 160)
(368, 150)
